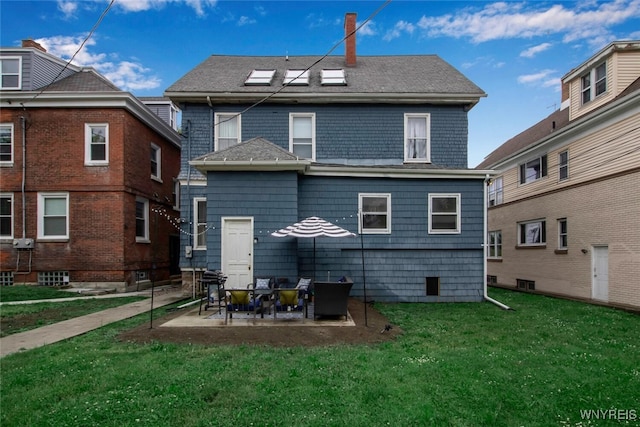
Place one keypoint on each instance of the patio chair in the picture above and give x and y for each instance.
(294, 298)
(263, 294)
(331, 298)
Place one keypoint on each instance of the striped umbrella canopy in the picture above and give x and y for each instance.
(313, 227)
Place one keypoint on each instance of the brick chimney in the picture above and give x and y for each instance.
(33, 43)
(350, 42)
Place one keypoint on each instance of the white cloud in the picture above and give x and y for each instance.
(534, 50)
(68, 8)
(398, 29)
(127, 75)
(514, 20)
(198, 6)
(542, 78)
(245, 20)
(368, 29)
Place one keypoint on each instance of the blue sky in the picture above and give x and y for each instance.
(516, 51)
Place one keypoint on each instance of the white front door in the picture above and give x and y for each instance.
(237, 251)
(600, 261)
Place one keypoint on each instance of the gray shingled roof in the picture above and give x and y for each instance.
(409, 74)
(256, 149)
(86, 80)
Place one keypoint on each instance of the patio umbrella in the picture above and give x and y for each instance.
(313, 227)
(317, 227)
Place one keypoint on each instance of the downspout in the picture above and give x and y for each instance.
(193, 273)
(486, 245)
(23, 128)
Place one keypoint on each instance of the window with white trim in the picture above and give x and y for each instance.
(11, 72)
(53, 215)
(495, 192)
(6, 144)
(142, 220)
(375, 213)
(533, 170)
(96, 144)
(594, 83)
(227, 130)
(176, 194)
(6, 215)
(417, 137)
(532, 233)
(563, 165)
(200, 222)
(495, 244)
(156, 162)
(444, 213)
(563, 234)
(302, 135)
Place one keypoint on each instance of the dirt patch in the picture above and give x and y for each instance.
(378, 330)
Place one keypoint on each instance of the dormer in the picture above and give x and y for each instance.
(602, 77)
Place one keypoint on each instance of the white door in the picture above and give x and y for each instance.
(600, 261)
(237, 251)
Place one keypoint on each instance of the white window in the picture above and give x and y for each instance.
(329, 77)
(594, 83)
(156, 162)
(297, 77)
(495, 244)
(533, 170)
(11, 73)
(563, 240)
(302, 135)
(260, 78)
(6, 215)
(375, 213)
(142, 220)
(563, 165)
(444, 213)
(227, 131)
(495, 192)
(96, 144)
(200, 222)
(6, 144)
(532, 233)
(53, 215)
(417, 131)
(173, 118)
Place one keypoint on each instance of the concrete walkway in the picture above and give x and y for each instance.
(80, 325)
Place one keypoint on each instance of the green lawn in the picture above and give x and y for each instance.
(455, 365)
(28, 293)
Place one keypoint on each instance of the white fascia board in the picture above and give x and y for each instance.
(90, 100)
(325, 97)
(250, 165)
(600, 56)
(387, 172)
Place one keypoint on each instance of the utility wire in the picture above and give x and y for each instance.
(66, 65)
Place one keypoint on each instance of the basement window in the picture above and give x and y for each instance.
(260, 78)
(527, 285)
(53, 278)
(432, 286)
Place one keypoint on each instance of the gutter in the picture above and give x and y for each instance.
(485, 246)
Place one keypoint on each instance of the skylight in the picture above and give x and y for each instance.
(333, 77)
(260, 78)
(296, 77)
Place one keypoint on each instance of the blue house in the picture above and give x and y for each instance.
(374, 144)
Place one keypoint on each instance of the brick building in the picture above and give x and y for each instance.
(87, 178)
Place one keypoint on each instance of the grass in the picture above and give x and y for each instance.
(29, 293)
(455, 365)
(24, 317)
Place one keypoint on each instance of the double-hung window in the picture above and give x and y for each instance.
(417, 144)
(10, 73)
(532, 233)
(142, 220)
(495, 192)
(227, 131)
(156, 162)
(96, 144)
(594, 83)
(563, 165)
(53, 215)
(6, 215)
(563, 240)
(200, 222)
(444, 213)
(533, 170)
(375, 213)
(495, 244)
(6, 144)
(302, 135)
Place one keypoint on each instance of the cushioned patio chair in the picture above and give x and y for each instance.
(263, 294)
(294, 298)
(331, 298)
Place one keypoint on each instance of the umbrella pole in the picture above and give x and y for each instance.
(314, 259)
(364, 280)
